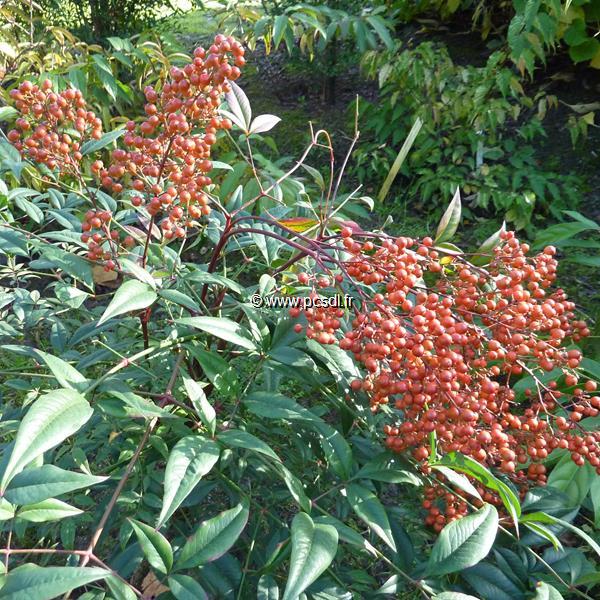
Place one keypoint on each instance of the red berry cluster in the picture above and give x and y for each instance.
(167, 156)
(46, 117)
(96, 231)
(324, 322)
(443, 340)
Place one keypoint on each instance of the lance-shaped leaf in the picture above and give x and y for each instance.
(313, 549)
(214, 537)
(467, 465)
(51, 419)
(370, 510)
(184, 587)
(7, 510)
(485, 252)
(132, 295)
(44, 583)
(66, 375)
(203, 407)
(463, 543)
(156, 547)
(264, 123)
(406, 146)
(191, 459)
(34, 485)
(239, 106)
(47, 510)
(225, 329)
(107, 139)
(450, 220)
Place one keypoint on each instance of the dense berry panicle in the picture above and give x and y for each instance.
(41, 132)
(442, 340)
(167, 154)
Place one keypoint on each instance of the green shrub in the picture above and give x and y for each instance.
(478, 129)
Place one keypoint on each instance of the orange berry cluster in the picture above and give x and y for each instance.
(52, 126)
(168, 153)
(167, 156)
(442, 340)
(324, 322)
(96, 231)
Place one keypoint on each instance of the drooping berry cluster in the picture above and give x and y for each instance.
(52, 125)
(443, 340)
(167, 157)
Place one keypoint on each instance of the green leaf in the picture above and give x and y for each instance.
(294, 486)
(132, 268)
(66, 375)
(214, 537)
(33, 211)
(466, 464)
(370, 510)
(450, 220)
(45, 583)
(7, 113)
(51, 419)
(128, 404)
(577, 531)
(386, 468)
(277, 406)
(463, 543)
(119, 589)
(573, 480)
(53, 257)
(240, 106)
(203, 407)
(595, 496)
(458, 480)
(279, 26)
(313, 549)
(47, 510)
(267, 588)
(543, 532)
(183, 587)
(34, 485)
(13, 242)
(179, 298)
(225, 329)
(156, 547)
(406, 146)
(263, 123)
(491, 583)
(545, 591)
(484, 253)
(7, 510)
(242, 439)
(191, 459)
(219, 372)
(95, 145)
(380, 27)
(132, 295)
(585, 51)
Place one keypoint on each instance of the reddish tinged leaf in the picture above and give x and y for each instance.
(298, 223)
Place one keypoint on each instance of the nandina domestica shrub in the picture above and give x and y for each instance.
(243, 450)
(443, 350)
